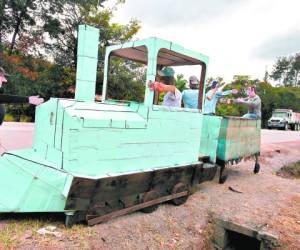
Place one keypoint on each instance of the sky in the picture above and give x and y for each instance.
(241, 37)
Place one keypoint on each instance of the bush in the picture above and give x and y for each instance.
(9, 118)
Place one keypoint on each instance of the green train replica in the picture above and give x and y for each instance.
(97, 160)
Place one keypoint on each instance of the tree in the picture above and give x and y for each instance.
(219, 79)
(125, 80)
(28, 18)
(296, 69)
(180, 82)
(241, 78)
(266, 76)
(33, 73)
(63, 30)
(266, 93)
(3, 19)
(286, 70)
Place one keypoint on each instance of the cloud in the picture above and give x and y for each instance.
(177, 12)
(279, 45)
(240, 37)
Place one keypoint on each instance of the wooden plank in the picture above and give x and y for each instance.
(93, 221)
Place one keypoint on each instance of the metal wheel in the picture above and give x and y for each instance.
(69, 221)
(178, 188)
(149, 196)
(256, 168)
(222, 179)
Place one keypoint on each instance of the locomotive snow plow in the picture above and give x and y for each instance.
(97, 160)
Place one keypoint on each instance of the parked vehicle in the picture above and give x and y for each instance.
(284, 119)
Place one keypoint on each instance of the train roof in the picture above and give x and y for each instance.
(169, 53)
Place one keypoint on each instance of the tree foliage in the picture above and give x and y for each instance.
(286, 70)
(271, 98)
(42, 56)
(180, 82)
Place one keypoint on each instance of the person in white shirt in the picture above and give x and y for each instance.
(166, 84)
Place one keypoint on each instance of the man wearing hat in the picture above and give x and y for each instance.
(35, 100)
(212, 97)
(190, 96)
(173, 96)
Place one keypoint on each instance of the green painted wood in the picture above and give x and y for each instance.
(93, 141)
(87, 59)
(229, 138)
(34, 185)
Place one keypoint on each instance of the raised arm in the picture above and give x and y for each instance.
(160, 87)
(35, 100)
(13, 99)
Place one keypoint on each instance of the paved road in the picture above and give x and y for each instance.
(278, 136)
(15, 135)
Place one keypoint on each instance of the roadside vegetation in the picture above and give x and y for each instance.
(290, 171)
(16, 233)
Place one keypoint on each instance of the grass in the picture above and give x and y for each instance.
(17, 232)
(291, 170)
(13, 231)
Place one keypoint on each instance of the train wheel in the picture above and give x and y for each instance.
(223, 179)
(69, 221)
(149, 196)
(178, 188)
(256, 168)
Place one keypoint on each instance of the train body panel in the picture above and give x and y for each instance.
(234, 138)
(98, 138)
(31, 184)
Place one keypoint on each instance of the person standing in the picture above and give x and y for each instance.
(35, 100)
(253, 102)
(190, 96)
(212, 97)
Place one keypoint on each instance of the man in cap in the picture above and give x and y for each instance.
(190, 96)
(173, 96)
(35, 100)
(212, 97)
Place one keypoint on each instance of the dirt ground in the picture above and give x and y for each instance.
(268, 202)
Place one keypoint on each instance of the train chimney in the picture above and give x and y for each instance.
(87, 58)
